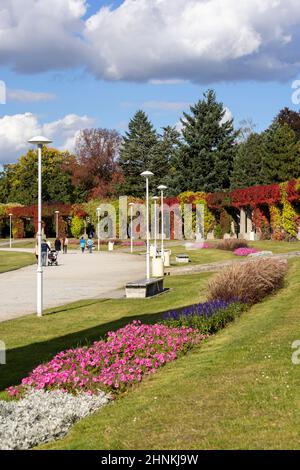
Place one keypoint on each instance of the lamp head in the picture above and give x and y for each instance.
(162, 187)
(155, 198)
(131, 204)
(39, 140)
(147, 174)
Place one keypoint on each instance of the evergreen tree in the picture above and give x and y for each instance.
(138, 152)
(281, 159)
(206, 155)
(164, 158)
(247, 164)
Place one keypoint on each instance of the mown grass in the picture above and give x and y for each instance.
(238, 390)
(10, 261)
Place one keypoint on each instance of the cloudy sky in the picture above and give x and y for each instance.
(70, 64)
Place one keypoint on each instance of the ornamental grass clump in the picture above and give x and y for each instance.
(249, 282)
(231, 244)
(123, 359)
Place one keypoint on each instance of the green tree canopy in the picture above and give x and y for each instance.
(206, 156)
(281, 159)
(247, 164)
(139, 152)
(18, 181)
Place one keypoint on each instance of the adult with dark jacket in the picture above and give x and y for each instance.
(44, 249)
(57, 244)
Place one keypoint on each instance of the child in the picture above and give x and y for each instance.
(90, 245)
(82, 244)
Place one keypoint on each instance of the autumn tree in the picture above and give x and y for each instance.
(95, 170)
(291, 118)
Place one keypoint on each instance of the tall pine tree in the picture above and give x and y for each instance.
(206, 156)
(247, 164)
(137, 153)
(281, 159)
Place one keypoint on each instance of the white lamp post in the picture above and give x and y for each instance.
(56, 229)
(10, 229)
(155, 199)
(98, 227)
(161, 189)
(39, 141)
(147, 175)
(131, 204)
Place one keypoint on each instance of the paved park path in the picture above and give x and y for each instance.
(78, 276)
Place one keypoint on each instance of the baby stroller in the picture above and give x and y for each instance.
(52, 258)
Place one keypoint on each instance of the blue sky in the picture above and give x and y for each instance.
(106, 89)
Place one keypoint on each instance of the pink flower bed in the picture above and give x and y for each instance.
(123, 359)
(245, 251)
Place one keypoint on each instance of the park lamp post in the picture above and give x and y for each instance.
(147, 175)
(39, 142)
(131, 204)
(10, 229)
(162, 188)
(155, 199)
(56, 223)
(98, 226)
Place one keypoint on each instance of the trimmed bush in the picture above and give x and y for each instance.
(249, 282)
(231, 244)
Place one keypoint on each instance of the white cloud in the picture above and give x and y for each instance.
(161, 41)
(15, 131)
(25, 96)
(202, 40)
(227, 116)
(165, 105)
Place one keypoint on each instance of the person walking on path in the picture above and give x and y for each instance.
(57, 245)
(82, 244)
(65, 245)
(90, 245)
(44, 248)
(37, 252)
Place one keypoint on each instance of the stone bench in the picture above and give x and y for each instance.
(182, 259)
(144, 288)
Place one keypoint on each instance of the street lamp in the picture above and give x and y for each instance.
(161, 188)
(147, 175)
(10, 229)
(56, 213)
(131, 204)
(155, 199)
(98, 226)
(39, 141)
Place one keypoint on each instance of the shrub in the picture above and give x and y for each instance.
(231, 244)
(209, 317)
(77, 227)
(249, 282)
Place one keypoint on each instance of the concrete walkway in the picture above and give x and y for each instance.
(78, 276)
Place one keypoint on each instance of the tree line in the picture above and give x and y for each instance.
(207, 154)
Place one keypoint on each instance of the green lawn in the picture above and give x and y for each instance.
(10, 260)
(237, 390)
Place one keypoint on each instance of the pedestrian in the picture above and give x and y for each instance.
(82, 244)
(44, 249)
(37, 251)
(57, 245)
(90, 245)
(65, 245)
